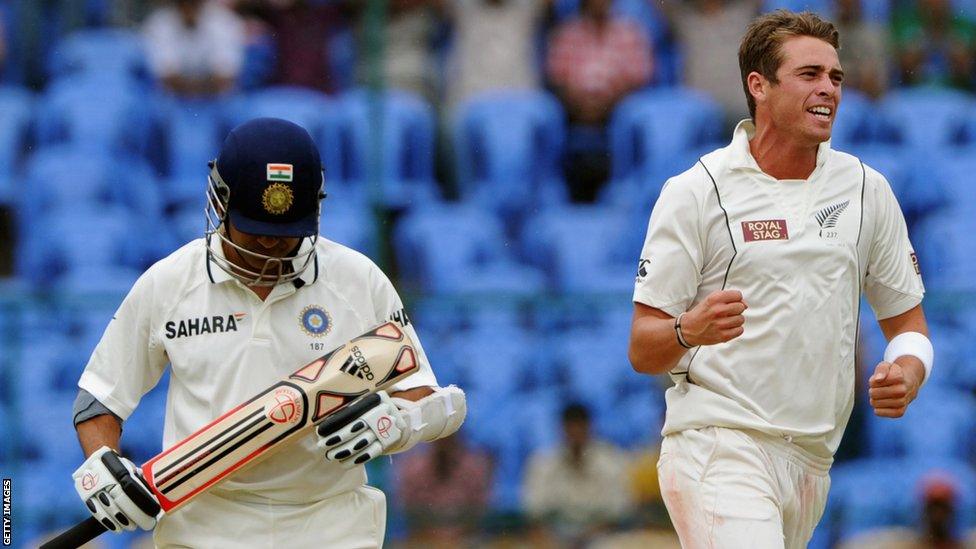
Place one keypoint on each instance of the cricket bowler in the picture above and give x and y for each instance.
(748, 293)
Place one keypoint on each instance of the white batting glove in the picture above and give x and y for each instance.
(114, 491)
(362, 432)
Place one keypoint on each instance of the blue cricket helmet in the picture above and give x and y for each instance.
(273, 177)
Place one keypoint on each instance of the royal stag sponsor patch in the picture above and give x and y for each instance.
(768, 229)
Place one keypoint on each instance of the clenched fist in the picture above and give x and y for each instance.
(893, 387)
(717, 319)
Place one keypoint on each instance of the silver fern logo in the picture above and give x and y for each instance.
(827, 217)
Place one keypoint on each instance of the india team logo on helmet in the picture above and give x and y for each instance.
(277, 198)
(315, 321)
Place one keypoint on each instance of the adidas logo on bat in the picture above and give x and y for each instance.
(356, 365)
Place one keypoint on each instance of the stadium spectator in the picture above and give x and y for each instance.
(593, 61)
(934, 45)
(864, 51)
(195, 47)
(408, 62)
(936, 529)
(704, 29)
(580, 489)
(302, 32)
(443, 491)
(494, 46)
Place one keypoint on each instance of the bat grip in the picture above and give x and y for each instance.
(77, 535)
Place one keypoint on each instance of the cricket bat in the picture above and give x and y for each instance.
(284, 411)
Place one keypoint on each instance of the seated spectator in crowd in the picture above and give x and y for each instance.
(704, 29)
(580, 489)
(302, 32)
(195, 47)
(934, 45)
(592, 63)
(494, 46)
(937, 528)
(864, 52)
(408, 62)
(443, 489)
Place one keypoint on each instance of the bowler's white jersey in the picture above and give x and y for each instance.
(224, 345)
(801, 253)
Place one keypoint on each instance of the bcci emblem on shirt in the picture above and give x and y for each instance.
(315, 321)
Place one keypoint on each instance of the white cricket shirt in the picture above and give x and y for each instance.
(224, 345)
(801, 253)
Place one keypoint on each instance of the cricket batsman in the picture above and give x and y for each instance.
(748, 294)
(231, 314)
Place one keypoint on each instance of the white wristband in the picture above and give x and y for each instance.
(914, 344)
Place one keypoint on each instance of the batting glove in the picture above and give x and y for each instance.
(361, 432)
(115, 492)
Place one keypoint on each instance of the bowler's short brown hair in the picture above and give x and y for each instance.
(761, 49)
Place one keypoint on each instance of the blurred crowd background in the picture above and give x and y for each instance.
(499, 159)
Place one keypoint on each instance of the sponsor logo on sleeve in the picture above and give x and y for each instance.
(401, 318)
(642, 267)
(914, 259)
(767, 229)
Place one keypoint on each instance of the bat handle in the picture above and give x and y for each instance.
(78, 535)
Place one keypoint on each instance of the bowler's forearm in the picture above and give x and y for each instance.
(654, 347)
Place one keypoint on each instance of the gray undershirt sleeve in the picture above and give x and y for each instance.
(87, 406)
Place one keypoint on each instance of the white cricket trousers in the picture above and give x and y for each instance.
(351, 520)
(729, 489)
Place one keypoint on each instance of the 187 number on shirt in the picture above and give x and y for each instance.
(317, 346)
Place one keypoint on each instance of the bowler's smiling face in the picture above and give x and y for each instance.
(804, 102)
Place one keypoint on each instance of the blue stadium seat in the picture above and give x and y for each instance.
(456, 249)
(404, 167)
(941, 422)
(66, 185)
(884, 492)
(111, 53)
(69, 176)
(68, 240)
(349, 223)
(878, 11)
(855, 121)
(641, 139)
(16, 112)
(925, 119)
(821, 7)
(97, 279)
(861, 499)
(946, 251)
(191, 133)
(97, 116)
(584, 247)
(647, 148)
(919, 194)
(593, 367)
(507, 145)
